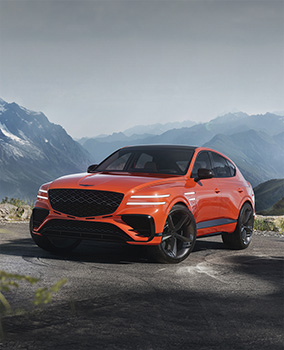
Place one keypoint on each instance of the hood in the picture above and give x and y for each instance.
(117, 182)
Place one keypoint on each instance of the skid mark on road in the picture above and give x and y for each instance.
(202, 268)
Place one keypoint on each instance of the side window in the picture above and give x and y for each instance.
(220, 166)
(202, 162)
(232, 168)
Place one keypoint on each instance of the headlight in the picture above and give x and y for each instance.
(147, 199)
(42, 193)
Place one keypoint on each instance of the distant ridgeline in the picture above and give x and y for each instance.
(34, 151)
(270, 197)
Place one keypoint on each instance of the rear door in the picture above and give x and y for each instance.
(229, 185)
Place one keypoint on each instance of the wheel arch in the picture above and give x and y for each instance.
(176, 201)
(249, 201)
(180, 201)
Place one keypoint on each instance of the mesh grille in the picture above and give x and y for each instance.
(85, 230)
(84, 203)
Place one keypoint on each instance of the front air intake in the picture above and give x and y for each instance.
(98, 231)
(39, 215)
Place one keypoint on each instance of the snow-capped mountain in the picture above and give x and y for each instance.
(34, 151)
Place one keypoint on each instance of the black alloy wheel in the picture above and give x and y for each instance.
(178, 237)
(241, 237)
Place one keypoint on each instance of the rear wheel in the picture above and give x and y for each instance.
(54, 244)
(241, 237)
(178, 238)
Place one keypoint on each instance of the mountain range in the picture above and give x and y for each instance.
(34, 151)
(254, 142)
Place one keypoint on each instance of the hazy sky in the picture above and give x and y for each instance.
(103, 66)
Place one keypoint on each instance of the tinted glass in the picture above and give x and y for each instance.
(232, 168)
(144, 160)
(119, 162)
(202, 162)
(157, 160)
(220, 166)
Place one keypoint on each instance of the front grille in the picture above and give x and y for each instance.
(99, 231)
(84, 203)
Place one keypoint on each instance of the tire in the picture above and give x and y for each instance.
(54, 244)
(178, 238)
(241, 237)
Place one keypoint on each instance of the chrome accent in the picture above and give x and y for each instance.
(145, 203)
(151, 196)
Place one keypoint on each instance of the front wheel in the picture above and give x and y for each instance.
(241, 237)
(178, 238)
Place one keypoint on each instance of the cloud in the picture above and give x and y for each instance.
(125, 62)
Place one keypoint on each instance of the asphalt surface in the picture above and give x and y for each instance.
(116, 298)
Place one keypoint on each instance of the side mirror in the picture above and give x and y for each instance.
(203, 174)
(92, 168)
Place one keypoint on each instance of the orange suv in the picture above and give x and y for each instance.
(161, 196)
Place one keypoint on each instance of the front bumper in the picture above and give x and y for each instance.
(125, 228)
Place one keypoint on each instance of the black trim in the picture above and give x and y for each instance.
(143, 224)
(212, 223)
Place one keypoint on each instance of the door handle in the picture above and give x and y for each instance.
(217, 190)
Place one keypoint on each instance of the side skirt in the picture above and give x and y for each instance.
(215, 227)
(213, 223)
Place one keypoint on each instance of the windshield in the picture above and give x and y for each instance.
(148, 160)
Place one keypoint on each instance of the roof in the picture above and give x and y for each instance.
(155, 146)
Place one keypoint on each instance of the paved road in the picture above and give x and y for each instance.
(116, 299)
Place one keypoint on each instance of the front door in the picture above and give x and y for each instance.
(207, 197)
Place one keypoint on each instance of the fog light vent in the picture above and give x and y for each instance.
(143, 224)
(39, 215)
